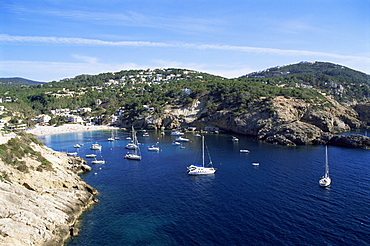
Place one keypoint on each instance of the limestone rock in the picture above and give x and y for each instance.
(41, 207)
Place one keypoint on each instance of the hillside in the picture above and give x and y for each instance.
(345, 84)
(177, 98)
(16, 81)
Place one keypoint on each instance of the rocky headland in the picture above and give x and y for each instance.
(41, 194)
(278, 120)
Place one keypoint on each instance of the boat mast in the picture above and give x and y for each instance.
(203, 150)
(326, 163)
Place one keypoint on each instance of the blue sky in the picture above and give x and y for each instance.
(47, 40)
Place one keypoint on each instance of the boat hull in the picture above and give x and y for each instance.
(133, 157)
(325, 182)
(199, 170)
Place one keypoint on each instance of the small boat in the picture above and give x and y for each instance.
(176, 133)
(325, 181)
(132, 156)
(235, 139)
(76, 146)
(181, 139)
(153, 147)
(133, 146)
(72, 153)
(96, 147)
(90, 156)
(97, 161)
(116, 138)
(146, 134)
(255, 164)
(244, 151)
(196, 135)
(201, 169)
(163, 133)
(176, 143)
(111, 139)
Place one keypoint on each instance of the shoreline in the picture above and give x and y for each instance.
(67, 128)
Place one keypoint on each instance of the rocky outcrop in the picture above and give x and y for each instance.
(278, 120)
(42, 207)
(352, 141)
(363, 111)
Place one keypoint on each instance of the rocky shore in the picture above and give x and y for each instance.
(41, 206)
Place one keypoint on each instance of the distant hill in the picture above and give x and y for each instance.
(17, 81)
(345, 84)
(338, 71)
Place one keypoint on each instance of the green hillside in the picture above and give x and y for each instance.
(345, 84)
(131, 92)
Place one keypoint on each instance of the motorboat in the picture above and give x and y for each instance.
(98, 161)
(90, 156)
(133, 156)
(72, 153)
(153, 147)
(176, 133)
(244, 151)
(95, 146)
(235, 139)
(181, 139)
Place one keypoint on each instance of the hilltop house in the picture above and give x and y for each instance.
(43, 118)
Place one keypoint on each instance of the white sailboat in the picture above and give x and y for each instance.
(111, 139)
(136, 155)
(325, 180)
(201, 169)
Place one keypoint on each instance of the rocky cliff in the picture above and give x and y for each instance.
(278, 120)
(40, 202)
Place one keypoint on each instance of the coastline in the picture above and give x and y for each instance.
(67, 128)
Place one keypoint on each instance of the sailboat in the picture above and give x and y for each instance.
(201, 169)
(111, 138)
(325, 180)
(136, 155)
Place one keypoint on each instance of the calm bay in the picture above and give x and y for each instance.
(279, 202)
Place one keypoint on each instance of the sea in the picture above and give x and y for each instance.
(279, 202)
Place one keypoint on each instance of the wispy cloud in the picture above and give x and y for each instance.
(127, 18)
(9, 39)
(87, 59)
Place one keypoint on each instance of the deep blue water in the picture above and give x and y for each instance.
(279, 202)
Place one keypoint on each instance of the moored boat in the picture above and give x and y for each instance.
(95, 146)
(201, 169)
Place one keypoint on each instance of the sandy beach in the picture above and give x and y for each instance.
(66, 128)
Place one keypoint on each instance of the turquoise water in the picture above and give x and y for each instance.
(279, 202)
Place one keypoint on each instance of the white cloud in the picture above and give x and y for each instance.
(8, 39)
(87, 59)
